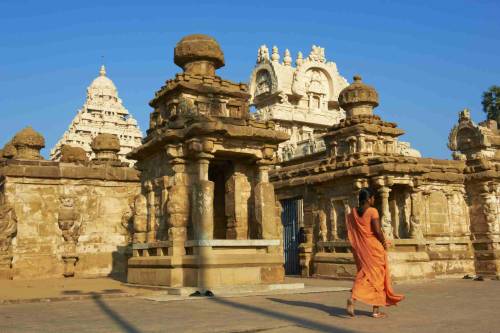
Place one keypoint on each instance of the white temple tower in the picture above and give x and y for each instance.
(301, 100)
(103, 112)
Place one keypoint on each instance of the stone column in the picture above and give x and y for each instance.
(150, 198)
(416, 215)
(264, 206)
(177, 208)
(238, 191)
(203, 201)
(386, 214)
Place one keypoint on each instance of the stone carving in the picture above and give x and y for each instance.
(140, 219)
(177, 210)
(106, 147)
(275, 56)
(70, 154)
(68, 222)
(28, 144)
(287, 59)
(317, 54)
(8, 230)
(8, 151)
(263, 84)
(322, 227)
(102, 112)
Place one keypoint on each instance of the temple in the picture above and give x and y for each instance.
(210, 217)
(102, 112)
(220, 197)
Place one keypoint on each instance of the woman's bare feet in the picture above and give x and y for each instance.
(377, 314)
(350, 307)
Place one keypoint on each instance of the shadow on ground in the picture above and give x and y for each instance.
(299, 321)
(124, 325)
(331, 310)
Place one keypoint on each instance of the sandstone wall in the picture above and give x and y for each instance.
(65, 210)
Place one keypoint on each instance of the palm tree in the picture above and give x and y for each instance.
(491, 103)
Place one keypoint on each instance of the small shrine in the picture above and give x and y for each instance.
(207, 215)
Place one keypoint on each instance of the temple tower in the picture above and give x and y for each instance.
(102, 112)
(303, 100)
(207, 215)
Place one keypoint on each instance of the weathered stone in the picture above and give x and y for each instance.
(70, 154)
(28, 144)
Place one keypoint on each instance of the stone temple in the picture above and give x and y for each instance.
(102, 112)
(216, 200)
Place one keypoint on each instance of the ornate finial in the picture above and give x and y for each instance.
(358, 98)
(357, 78)
(275, 56)
(198, 54)
(264, 53)
(102, 71)
(259, 55)
(287, 59)
(317, 54)
(300, 59)
(464, 115)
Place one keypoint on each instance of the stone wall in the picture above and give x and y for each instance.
(57, 204)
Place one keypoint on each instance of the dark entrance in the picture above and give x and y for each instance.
(291, 217)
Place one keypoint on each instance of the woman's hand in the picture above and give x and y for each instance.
(387, 244)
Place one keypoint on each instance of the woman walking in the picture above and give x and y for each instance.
(372, 284)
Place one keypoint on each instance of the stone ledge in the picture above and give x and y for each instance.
(233, 242)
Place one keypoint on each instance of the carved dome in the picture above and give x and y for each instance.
(106, 142)
(358, 94)
(198, 48)
(28, 137)
(102, 85)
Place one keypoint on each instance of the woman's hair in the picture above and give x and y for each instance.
(364, 194)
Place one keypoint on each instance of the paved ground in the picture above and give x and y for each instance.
(436, 306)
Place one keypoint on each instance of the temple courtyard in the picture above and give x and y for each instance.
(105, 305)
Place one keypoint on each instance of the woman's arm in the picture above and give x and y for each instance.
(377, 231)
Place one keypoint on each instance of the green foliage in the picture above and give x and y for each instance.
(491, 103)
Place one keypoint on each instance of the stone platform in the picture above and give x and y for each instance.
(206, 263)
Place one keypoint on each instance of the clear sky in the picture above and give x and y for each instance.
(427, 59)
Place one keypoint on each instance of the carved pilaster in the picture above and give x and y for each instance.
(203, 201)
(416, 215)
(386, 214)
(68, 222)
(150, 198)
(8, 230)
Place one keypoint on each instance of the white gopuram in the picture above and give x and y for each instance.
(103, 112)
(301, 100)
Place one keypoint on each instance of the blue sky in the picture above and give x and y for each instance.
(427, 59)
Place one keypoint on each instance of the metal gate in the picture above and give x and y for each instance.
(291, 217)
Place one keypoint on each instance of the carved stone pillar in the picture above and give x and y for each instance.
(177, 207)
(203, 201)
(238, 191)
(150, 198)
(140, 219)
(267, 225)
(386, 214)
(416, 215)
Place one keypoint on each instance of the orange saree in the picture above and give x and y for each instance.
(372, 284)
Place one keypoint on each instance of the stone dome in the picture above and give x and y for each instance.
(358, 94)
(102, 85)
(28, 137)
(106, 142)
(198, 48)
